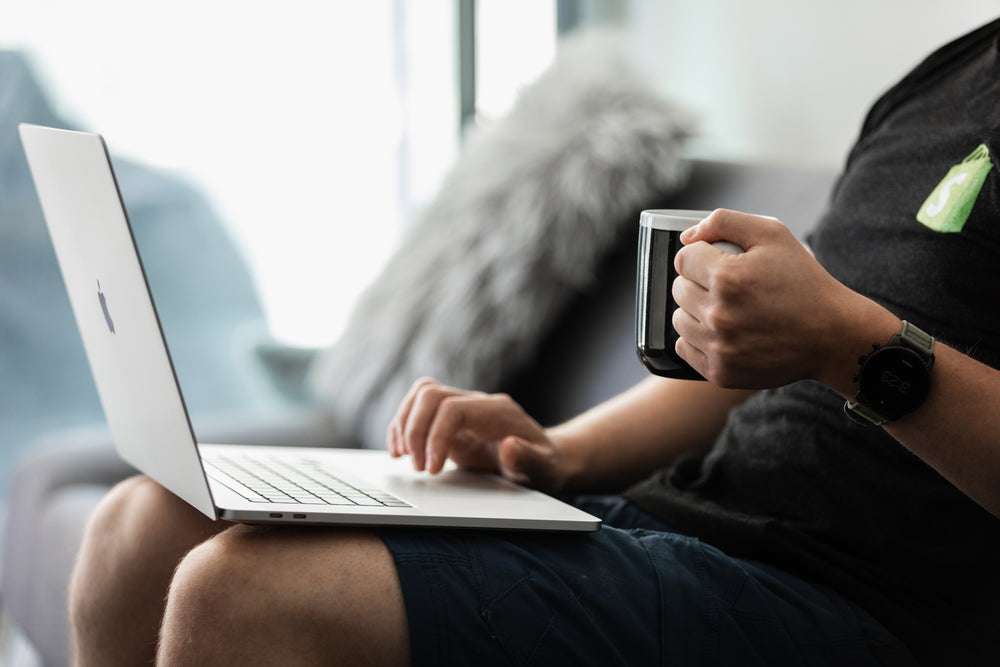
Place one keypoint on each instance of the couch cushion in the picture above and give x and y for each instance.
(519, 225)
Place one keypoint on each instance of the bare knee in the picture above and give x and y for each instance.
(122, 502)
(137, 527)
(133, 541)
(205, 595)
(111, 543)
(295, 596)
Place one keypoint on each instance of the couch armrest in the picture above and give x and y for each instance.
(55, 487)
(52, 492)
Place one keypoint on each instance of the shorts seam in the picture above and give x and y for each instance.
(659, 586)
(713, 605)
(431, 559)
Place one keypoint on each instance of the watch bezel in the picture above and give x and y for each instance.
(893, 381)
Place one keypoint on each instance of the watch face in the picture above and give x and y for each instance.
(894, 381)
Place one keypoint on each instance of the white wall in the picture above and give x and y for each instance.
(788, 81)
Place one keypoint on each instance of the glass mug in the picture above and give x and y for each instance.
(659, 241)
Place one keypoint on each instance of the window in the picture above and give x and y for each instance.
(315, 128)
(515, 41)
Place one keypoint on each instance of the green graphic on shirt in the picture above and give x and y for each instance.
(950, 204)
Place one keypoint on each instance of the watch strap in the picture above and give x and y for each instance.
(909, 336)
(915, 338)
(862, 414)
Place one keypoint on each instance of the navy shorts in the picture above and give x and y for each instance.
(633, 593)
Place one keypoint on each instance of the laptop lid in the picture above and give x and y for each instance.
(142, 398)
(114, 310)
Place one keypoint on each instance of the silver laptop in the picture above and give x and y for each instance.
(146, 412)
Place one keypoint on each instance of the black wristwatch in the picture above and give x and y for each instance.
(894, 379)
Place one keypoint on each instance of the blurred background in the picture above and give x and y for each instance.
(294, 143)
(272, 154)
(317, 127)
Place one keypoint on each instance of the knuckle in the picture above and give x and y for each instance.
(431, 393)
(773, 225)
(680, 321)
(721, 322)
(450, 410)
(680, 258)
(722, 214)
(722, 360)
(727, 282)
(680, 289)
(423, 383)
(412, 432)
(502, 399)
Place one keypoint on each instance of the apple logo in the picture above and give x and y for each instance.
(104, 307)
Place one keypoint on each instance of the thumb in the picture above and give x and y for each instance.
(743, 229)
(524, 462)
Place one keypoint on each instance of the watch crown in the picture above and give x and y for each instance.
(855, 379)
(861, 359)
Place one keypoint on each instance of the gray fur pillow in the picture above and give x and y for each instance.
(520, 223)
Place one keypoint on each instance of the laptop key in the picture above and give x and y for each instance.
(261, 480)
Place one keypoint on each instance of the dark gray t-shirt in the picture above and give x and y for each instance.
(914, 223)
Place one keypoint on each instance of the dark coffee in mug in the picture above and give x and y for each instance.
(659, 241)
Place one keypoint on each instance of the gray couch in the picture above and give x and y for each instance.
(588, 356)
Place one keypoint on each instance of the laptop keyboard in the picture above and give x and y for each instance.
(268, 480)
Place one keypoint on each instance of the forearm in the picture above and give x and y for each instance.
(643, 429)
(955, 430)
(773, 315)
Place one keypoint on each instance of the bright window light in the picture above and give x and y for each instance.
(516, 40)
(316, 128)
(291, 117)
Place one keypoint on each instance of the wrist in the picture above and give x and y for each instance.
(570, 458)
(860, 325)
(894, 379)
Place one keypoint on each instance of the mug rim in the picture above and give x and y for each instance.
(671, 220)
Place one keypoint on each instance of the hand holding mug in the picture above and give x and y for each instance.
(659, 242)
(764, 318)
